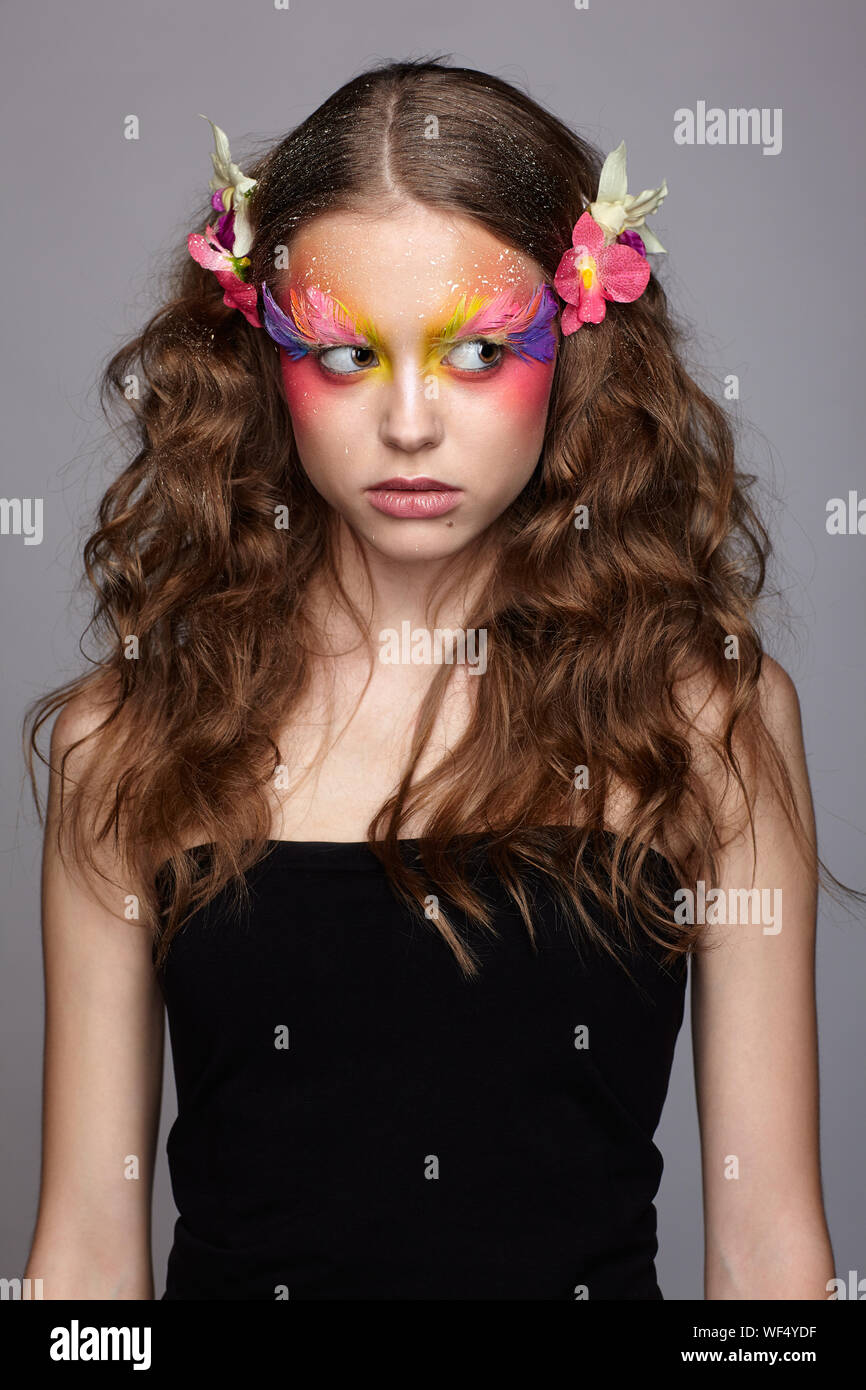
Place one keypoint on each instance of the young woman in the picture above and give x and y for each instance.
(430, 737)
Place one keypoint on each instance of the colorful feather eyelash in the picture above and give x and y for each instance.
(317, 320)
(526, 330)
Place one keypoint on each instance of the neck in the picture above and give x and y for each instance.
(427, 594)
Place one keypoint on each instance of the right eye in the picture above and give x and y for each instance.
(347, 361)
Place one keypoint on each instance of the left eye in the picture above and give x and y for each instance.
(470, 356)
(346, 361)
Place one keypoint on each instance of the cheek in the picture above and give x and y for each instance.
(326, 417)
(526, 390)
(515, 401)
(305, 394)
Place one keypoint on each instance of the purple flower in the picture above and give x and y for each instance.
(226, 230)
(631, 238)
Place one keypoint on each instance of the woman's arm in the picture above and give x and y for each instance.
(102, 1074)
(755, 1050)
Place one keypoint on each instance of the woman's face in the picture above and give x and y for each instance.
(393, 376)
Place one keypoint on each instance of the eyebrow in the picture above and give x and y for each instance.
(317, 319)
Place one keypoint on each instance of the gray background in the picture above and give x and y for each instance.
(764, 260)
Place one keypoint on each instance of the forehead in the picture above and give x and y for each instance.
(410, 262)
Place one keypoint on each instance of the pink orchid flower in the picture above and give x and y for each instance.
(212, 255)
(591, 273)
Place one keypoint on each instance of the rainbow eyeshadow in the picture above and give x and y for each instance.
(316, 319)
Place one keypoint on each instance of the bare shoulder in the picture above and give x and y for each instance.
(706, 703)
(81, 766)
(703, 705)
(706, 706)
(80, 721)
(705, 709)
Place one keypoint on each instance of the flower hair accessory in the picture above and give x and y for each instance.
(607, 259)
(223, 248)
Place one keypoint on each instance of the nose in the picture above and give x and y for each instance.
(411, 420)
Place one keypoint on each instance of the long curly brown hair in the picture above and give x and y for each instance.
(588, 631)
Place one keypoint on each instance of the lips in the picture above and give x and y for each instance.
(420, 484)
(414, 498)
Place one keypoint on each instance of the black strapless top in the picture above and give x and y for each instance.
(356, 1120)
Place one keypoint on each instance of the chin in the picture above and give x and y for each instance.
(419, 544)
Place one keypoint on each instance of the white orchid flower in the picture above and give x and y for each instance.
(615, 210)
(236, 188)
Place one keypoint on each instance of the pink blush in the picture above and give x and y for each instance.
(522, 388)
(304, 387)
